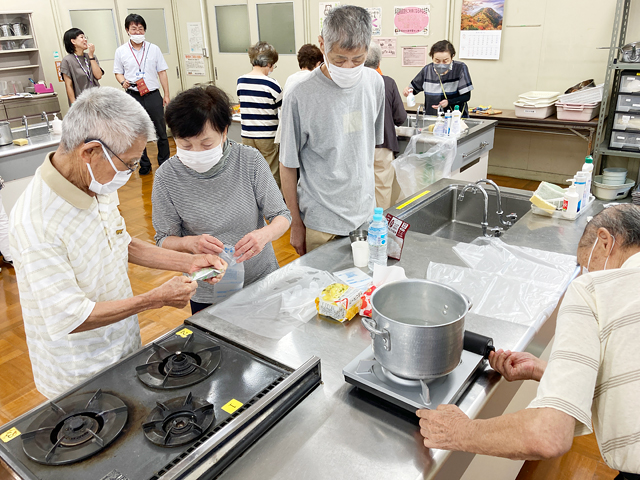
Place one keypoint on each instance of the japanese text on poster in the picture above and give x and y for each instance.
(414, 56)
(194, 32)
(481, 29)
(326, 7)
(376, 20)
(388, 45)
(194, 64)
(413, 20)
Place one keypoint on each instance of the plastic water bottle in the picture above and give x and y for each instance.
(455, 121)
(377, 240)
(233, 279)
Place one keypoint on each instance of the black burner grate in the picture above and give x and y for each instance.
(75, 428)
(178, 362)
(178, 421)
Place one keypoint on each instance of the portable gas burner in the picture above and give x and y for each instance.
(181, 408)
(366, 373)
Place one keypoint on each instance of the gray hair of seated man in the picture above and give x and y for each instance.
(621, 221)
(374, 56)
(348, 27)
(109, 115)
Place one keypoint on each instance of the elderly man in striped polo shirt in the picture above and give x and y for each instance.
(71, 248)
(593, 374)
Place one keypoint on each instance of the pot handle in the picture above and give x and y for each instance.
(371, 325)
(469, 302)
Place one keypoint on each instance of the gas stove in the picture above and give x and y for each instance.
(366, 373)
(183, 407)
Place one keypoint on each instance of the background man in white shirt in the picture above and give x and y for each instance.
(592, 380)
(140, 68)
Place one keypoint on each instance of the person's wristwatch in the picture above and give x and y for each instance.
(122, 82)
(91, 58)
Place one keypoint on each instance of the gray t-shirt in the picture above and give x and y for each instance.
(229, 201)
(73, 69)
(330, 134)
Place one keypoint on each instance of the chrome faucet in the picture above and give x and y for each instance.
(419, 116)
(46, 119)
(512, 217)
(26, 125)
(474, 187)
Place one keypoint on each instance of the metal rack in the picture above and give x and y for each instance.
(611, 87)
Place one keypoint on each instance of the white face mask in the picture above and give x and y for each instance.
(200, 161)
(344, 77)
(586, 269)
(137, 38)
(121, 177)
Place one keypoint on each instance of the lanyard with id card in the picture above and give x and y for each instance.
(140, 83)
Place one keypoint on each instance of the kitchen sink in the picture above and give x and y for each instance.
(35, 130)
(444, 216)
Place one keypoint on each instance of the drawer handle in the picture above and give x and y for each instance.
(475, 150)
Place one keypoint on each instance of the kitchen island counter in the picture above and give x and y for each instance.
(340, 431)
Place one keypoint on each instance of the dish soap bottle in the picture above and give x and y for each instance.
(570, 202)
(56, 124)
(455, 121)
(588, 169)
(411, 99)
(377, 239)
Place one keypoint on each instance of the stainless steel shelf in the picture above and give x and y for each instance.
(626, 66)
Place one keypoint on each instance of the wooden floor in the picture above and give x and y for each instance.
(18, 393)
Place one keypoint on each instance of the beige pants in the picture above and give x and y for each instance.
(315, 239)
(384, 174)
(270, 151)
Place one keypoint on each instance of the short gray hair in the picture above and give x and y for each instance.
(263, 54)
(621, 221)
(347, 26)
(374, 56)
(109, 115)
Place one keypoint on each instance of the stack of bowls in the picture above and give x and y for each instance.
(614, 176)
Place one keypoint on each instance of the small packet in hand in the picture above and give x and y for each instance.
(397, 229)
(204, 274)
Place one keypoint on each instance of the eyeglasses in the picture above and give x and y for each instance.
(131, 168)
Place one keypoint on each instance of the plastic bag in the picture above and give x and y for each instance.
(279, 303)
(233, 279)
(426, 160)
(516, 284)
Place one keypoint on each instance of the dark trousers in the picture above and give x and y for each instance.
(196, 307)
(627, 476)
(152, 103)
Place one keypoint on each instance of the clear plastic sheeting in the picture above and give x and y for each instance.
(278, 304)
(515, 284)
(426, 160)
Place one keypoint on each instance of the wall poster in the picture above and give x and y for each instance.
(376, 20)
(194, 33)
(194, 63)
(481, 29)
(413, 20)
(325, 7)
(388, 46)
(414, 56)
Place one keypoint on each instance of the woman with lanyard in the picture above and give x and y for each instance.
(79, 70)
(446, 83)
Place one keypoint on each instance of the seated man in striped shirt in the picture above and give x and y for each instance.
(593, 374)
(260, 97)
(71, 248)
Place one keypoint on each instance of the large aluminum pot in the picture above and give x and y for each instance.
(417, 328)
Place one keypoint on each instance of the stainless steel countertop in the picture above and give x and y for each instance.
(35, 143)
(341, 432)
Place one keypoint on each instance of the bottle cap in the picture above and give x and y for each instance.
(457, 107)
(588, 159)
(377, 217)
(378, 210)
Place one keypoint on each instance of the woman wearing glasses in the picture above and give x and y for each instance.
(79, 69)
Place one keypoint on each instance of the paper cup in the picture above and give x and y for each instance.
(360, 253)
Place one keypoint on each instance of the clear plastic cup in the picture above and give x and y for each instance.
(360, 253)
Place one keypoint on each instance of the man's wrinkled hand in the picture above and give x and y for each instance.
(441, 428)
(208, 261)
(517, 365)
(176, 292)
